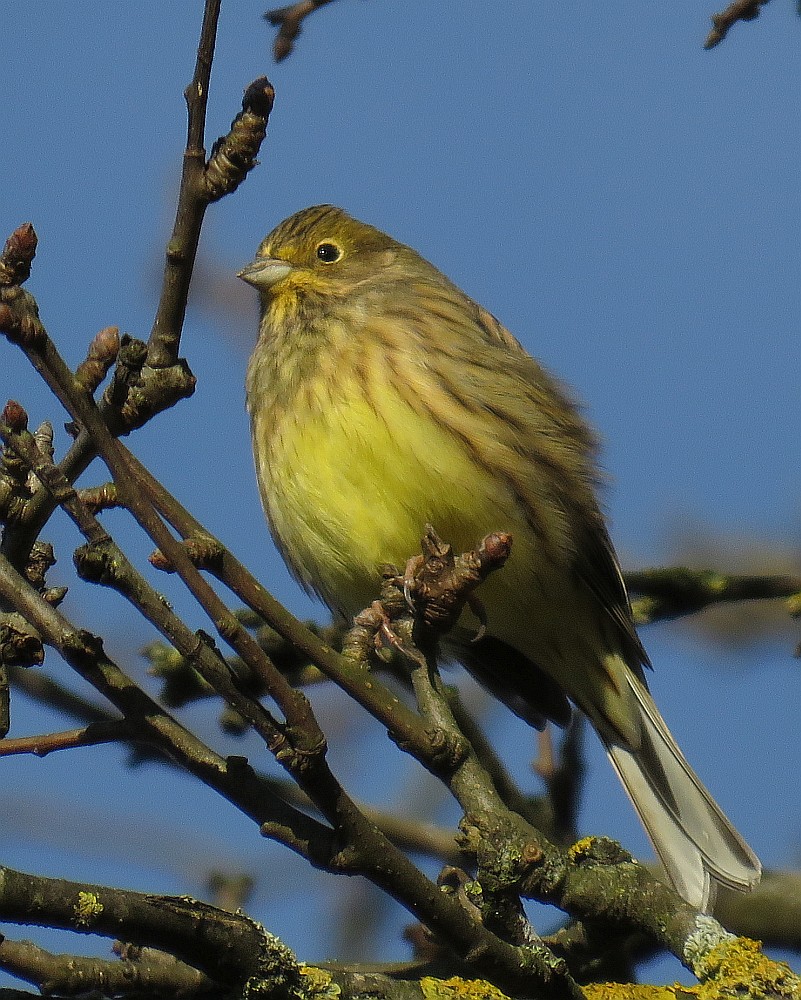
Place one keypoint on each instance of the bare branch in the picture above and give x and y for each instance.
(232, 158)
(739, 10)
(87, 736)
(150, 972)
(676, 591)
(228, 947)
(289, 21)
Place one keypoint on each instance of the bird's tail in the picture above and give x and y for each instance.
(696, 843)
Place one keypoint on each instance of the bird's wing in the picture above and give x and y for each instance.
(595, 561)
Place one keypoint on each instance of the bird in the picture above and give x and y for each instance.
(383, 398)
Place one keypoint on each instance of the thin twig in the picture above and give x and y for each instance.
(740, 10)
(289, 21)
(104, 562)
(404, 726)
(87, 736)
(201, 183)
(231, 777)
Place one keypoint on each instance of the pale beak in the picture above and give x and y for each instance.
(264, 272)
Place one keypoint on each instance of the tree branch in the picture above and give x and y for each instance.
(289, 21)
(150, 972)
(676, 591)
(228, 947)
(739, 10)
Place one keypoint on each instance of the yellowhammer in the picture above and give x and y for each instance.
(382, 398)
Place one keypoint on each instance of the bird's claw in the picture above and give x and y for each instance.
(410, 581)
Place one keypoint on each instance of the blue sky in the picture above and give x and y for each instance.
(627, 203)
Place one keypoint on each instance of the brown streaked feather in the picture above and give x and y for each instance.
(497, 376)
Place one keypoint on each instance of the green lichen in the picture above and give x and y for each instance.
(279, 975)
(87, 909)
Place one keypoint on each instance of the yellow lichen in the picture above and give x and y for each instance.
(319, 983)
(457, 988)
(581, 849)
(738, 968)
(735, 968)
(629, 991)
(87, 909)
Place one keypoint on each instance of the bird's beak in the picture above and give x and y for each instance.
(264, 272)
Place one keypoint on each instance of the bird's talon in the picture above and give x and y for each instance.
(410, 581)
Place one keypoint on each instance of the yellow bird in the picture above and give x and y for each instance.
(382, 398)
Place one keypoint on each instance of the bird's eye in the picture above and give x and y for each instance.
(328, 253)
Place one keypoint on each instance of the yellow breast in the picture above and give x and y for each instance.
(351, 478)
(350, 474)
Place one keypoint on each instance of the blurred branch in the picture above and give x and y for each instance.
(54, 695)
(563, 774)
(770, 913)
(676, 591)
(289, 21)
(150, 972)
(740, 10)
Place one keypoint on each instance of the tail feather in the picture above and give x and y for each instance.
(696, 843)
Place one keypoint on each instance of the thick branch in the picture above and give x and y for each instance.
(227, 946)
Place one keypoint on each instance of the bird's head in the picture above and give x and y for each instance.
(320, 250)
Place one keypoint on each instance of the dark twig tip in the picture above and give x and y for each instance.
(22, 242)
(259, 97)
(17, 255)
(15, 416)
(282, 47)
